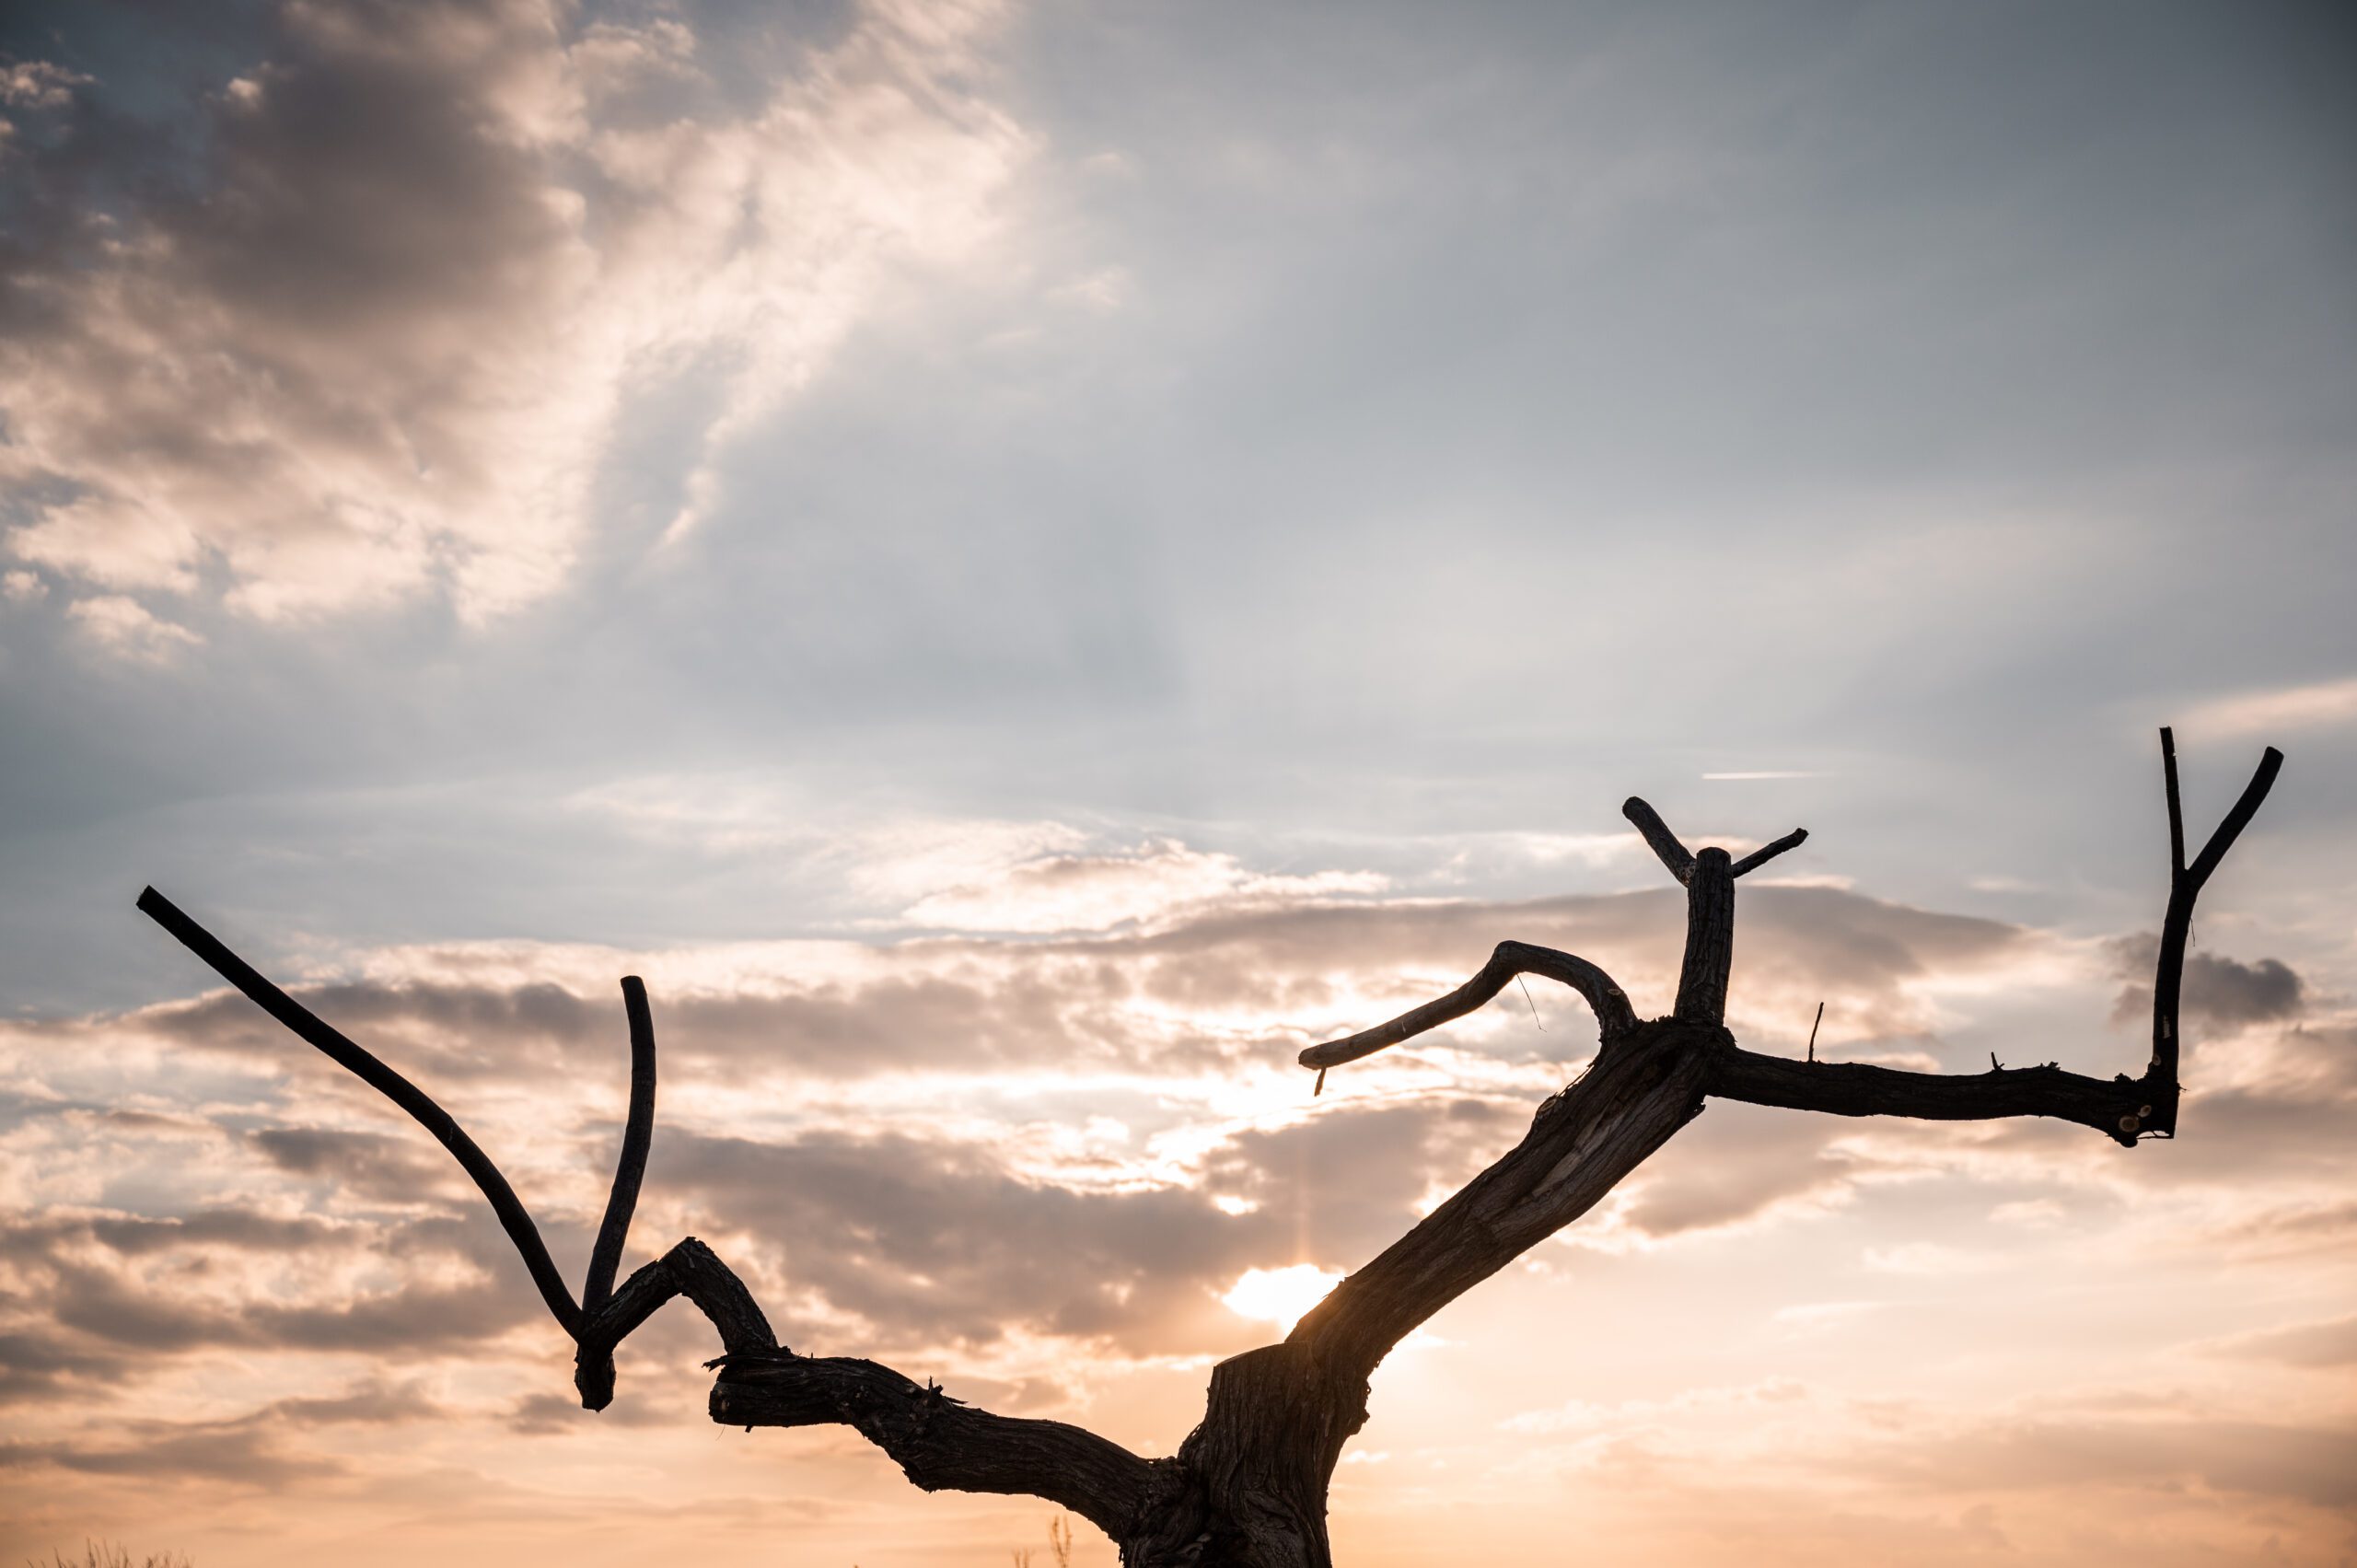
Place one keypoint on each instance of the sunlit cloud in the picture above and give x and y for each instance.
(2289, 710)
(358, 372)
(1096, 892)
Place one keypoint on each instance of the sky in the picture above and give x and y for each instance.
(1024, 561)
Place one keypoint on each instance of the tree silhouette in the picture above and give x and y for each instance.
(1247, 1489)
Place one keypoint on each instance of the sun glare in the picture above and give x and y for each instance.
(1280, 1295)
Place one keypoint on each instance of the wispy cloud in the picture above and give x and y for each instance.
(2327, 704)
(125, 626)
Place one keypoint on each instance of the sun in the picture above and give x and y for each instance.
(1280, 1295)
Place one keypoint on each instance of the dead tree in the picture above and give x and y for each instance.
(1247, 1488)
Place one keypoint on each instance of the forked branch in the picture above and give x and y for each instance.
(2185, 886)
(1681, 860)
(2123, 1109)
(938, 1442)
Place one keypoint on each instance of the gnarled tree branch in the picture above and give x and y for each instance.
(1613, 1013)
(938, 1442)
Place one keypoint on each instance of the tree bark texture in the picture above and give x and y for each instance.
(1247, 1488)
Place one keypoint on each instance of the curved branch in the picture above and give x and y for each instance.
(691, 1270)
(513, 1218)
(2237, 818)
(1657, 833)
(1613, 1015)
(940, 1444)
(630, 1170)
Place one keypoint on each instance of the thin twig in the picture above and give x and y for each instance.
(1769, 851)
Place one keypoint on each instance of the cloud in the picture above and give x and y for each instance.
(2217, 989)
(128, 628)
(1077, 892)
(38, 1365)
(2328, 1343)
(1737, 1163)
(375, 1165)
(1581, 1414)
(244, 1279)
(1879, 964)
(930, 1242)
(248, 1450)
(372, 1402)
(37, 85)
(2312, 1463)
(1341, 1186)
(374, 340)
(215, 1453)
(2326, 704)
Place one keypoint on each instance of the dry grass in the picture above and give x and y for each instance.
(100, 1554)
(1059, 1544)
